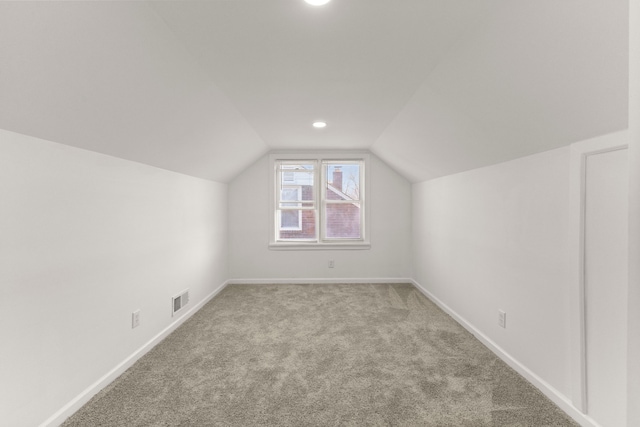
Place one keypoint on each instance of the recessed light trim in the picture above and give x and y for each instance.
(319, 124)
(317, 2)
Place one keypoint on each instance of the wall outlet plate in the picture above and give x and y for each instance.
(135, 319)
(332, 264)
(502, 319)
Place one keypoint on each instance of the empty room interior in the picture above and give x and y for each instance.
(281, 212)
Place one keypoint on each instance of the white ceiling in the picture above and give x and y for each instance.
(204, 88)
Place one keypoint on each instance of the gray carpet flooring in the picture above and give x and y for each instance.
(320, 355)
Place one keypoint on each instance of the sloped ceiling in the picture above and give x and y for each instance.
(205, 87)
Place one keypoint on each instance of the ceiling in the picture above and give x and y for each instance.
(204, 88)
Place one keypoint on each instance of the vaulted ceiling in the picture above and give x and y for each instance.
(204, 88)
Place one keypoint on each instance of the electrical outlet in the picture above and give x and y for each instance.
(332, 264)
(135, 319)
(502, 319)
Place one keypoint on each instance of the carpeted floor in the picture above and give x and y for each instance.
(320, 355)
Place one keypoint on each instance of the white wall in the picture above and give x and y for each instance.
(389, 256)
(86, 239)
(633, 418)
(498, 238)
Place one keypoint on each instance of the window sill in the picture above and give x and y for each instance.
(287, 246)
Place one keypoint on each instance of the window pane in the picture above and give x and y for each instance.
(302, 194)
(290, 220)
(297, 224)
(343, 181)
(300, 176)
(343, 221)
(290, 193)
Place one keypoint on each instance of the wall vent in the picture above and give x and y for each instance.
(179, 301)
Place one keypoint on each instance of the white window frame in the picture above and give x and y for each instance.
(320, 188)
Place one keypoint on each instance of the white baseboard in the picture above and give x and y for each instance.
(75, 404)
(554, 395)
(318, 281)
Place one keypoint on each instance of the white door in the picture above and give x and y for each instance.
(605, 270)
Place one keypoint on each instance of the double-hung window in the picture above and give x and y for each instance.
(319, 201)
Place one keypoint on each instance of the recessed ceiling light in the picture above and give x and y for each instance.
(317, 2)
(319, 125)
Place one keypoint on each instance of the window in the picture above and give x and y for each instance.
(342, 205)
(319, 201)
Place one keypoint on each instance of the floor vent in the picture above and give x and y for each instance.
(179, 301)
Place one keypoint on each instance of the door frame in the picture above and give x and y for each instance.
(580, 151)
